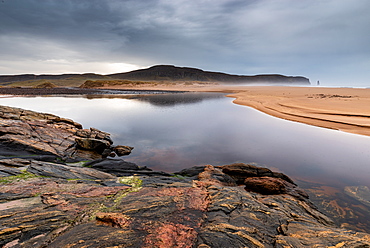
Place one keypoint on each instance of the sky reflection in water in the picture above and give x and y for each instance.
(171, 132)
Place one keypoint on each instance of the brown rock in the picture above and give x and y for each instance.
(112, 219)
(51, 212)
(83, 133)
(122, 150)
(15, 162)
(92, 144)
(27, 132)
(32, 132)
(267, 185)
(214, 176)
(151, 217)
(64, 171)
(240, 171)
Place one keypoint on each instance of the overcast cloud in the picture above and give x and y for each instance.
(326, 40)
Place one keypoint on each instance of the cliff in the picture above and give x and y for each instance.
(47, 201)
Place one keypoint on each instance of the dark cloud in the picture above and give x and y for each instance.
(324, 40)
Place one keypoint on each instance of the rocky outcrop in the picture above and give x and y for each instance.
(114, 203)
(28, 132)
(64, 171)
(360, 193)
(161, 211)
(241, 171)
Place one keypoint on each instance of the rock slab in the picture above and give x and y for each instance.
(28, 133)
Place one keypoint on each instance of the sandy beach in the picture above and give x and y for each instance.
(344, 109)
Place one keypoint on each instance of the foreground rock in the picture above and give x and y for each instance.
(114, 203)
(67, 172)
(28, 133)
(162, 211)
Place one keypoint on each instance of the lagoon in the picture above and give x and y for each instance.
(175, 131)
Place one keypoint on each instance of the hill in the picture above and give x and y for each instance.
(173, 73)
(154, 73)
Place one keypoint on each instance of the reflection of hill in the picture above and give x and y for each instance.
(170, 100)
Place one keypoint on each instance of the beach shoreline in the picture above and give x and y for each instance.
(343, 109)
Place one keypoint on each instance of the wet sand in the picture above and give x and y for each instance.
(344, 109)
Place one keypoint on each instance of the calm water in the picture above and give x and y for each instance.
(174, 131)
(171, 132)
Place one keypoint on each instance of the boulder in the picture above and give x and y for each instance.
(92, 144)
(94, 134)
(122, 150)
(267, 185)
(191, 172)
(240, 171)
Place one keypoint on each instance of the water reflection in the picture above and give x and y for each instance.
(163, 100)
(170, 100)
(171, 132)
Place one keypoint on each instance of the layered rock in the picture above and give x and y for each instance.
(161, 211)
(28, 132)
(114, 203)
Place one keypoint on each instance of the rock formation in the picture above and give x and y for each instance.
(114, 203)
(27, 132)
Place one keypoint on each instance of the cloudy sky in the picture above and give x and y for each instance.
(326, 40)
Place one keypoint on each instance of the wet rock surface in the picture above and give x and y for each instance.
(28, 133)
(114, 203)
(342, 205)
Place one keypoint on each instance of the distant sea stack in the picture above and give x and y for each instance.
(173, 73)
